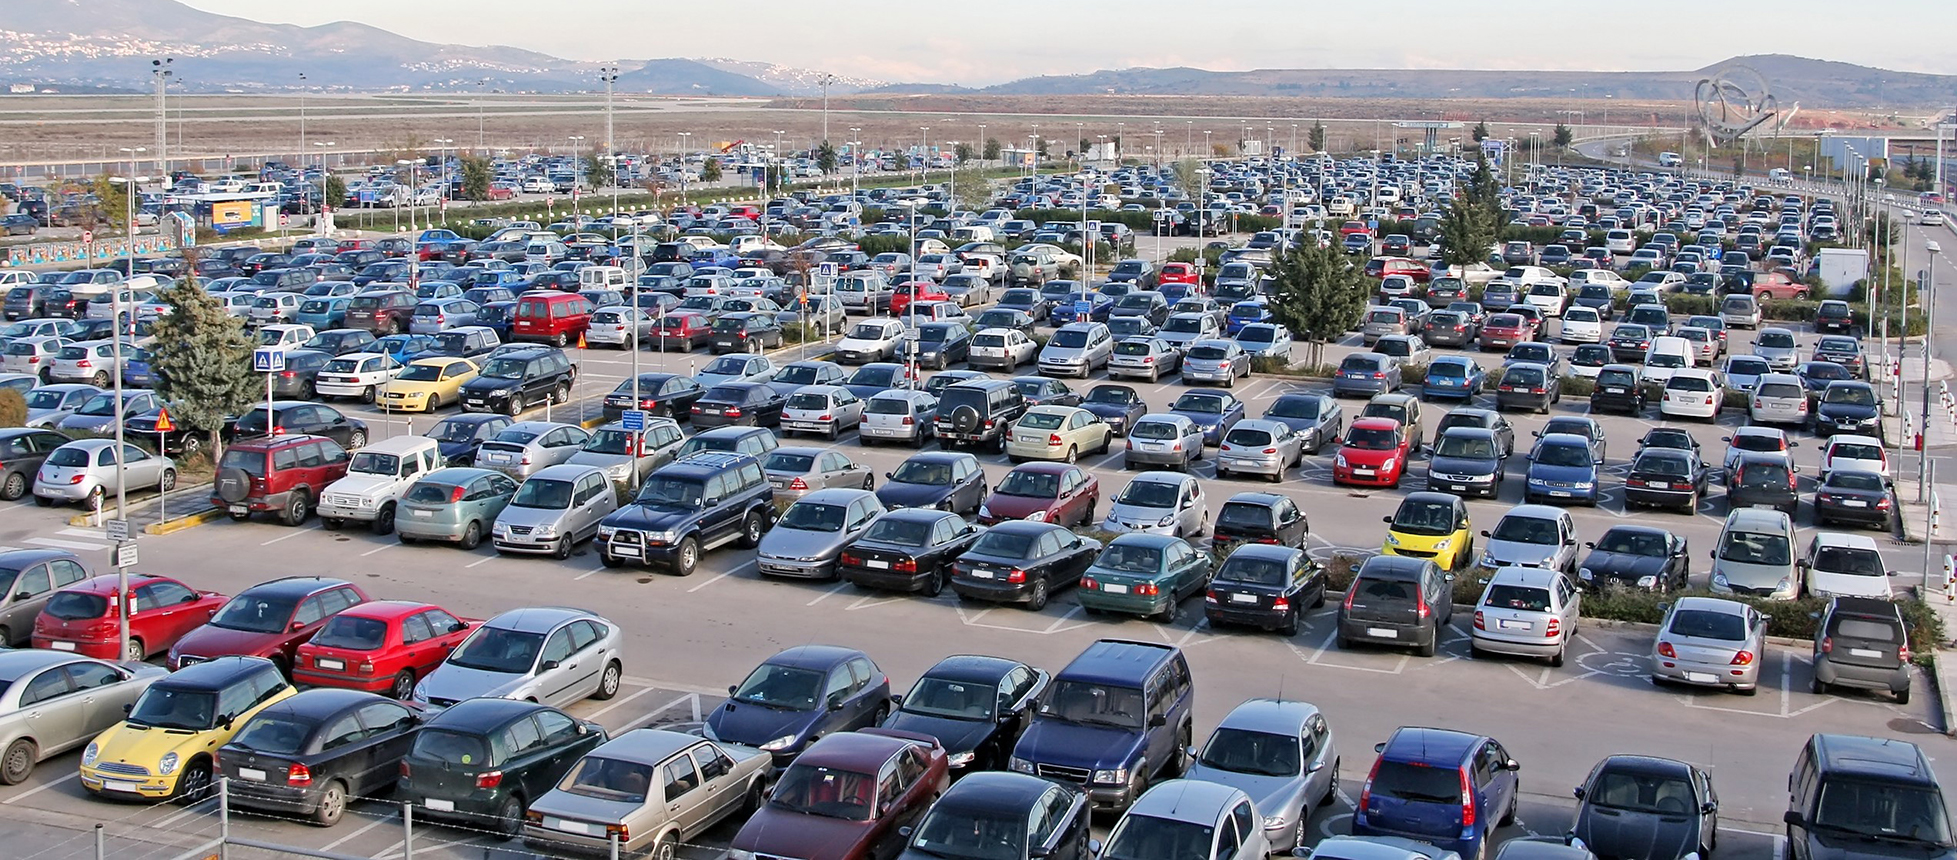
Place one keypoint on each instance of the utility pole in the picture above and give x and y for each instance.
(302, 115)
(825, 81)
(609, 74)
(121, 530)
(481, 84)
(160, 70)
(1926, 284)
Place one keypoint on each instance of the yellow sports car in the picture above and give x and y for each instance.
(1057, 433)
(164, 748)
(1431, 525)
(427, 384)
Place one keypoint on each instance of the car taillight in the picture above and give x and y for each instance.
(798, 484)
(1147, 589)
(1017, 575)
(1350, 593)
(1366, 793)
(1378, 375)
(1478, 622)
(1088, 583)
(1281, 604)
(489, 779)
(1425, 610)
(850, 558)
(278, 430)
(1827, 644)
(1902, 652)
(405, 770)
(1742, 658)
(299, 775)
(734, 412)
(908, 421)
(1467, 800)
(74, 479)
(83, 363)
(1554, 627)
(908, 565)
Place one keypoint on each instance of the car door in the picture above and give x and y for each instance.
(724, 788)
(587, 659)
(1570, 602)
(835, 697)
(1319, 758)
(718, 519)
(557, 671)
(48, 706)
(685, 796)
(1494, 783)
(99, 689)
(865, 696)
(161, 614)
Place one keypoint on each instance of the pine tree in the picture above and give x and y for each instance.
(1563, 136)
(202, 359)
(336, 191)
(1481, 131)
(1466, 232)
(598, 172)
(710, 171)
(1317, 293)
(992, 148)
(963, 152)
(825, 157)
(1316, 139)
(477, 172)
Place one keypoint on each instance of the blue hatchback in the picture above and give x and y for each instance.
(1244, 313)
(1562, 469)
(1453, 376)
(1446, 788)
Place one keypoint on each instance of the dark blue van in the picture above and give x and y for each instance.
(1113, 721)
(1446, 788)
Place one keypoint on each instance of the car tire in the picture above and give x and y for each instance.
(357, 440)
(1556, 660)
(472, 536)
(298, 508)
(194, 784)
(509, 815)
(1037, 601)
(18, 762)
(687, 557)
(515, 406)
(1428, 648)
(609, 681)
(1816, 687)
(751, 529)
(332, 804)
(1171, 612)
(1073, 453)
(403, 686)
(562, 550)
(561, 394)
(332, 523)
(13, 487)
(1290, 626)
(383, 523)
(135, 652)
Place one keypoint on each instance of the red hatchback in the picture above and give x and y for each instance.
(1373, 453)
(83, 617)
(380, 647)
(684, 331)
(1043, 492)
(1505, 330)
(916, 293)
(849, 796)
(1178, 273)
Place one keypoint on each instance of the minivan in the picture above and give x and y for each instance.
(559, 318)
(1397, 601)
(1852, 797)
(1113, 720)
(1756, 556)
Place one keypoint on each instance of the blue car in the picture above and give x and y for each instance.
(323, 314)
(136, 368)
(404, 347)
(1068, 309)
(1453, 376)
(1245, 313)
(1214, 411)
(1562, 468)
(1114, 720)
(1448, 789)
(782, 706)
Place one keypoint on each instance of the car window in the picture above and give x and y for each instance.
(558, 646)
(341, 732)
(522, 736)
(34, 582)
(711, 761)
(583, 633)
(680, 778)
(415, 628)
(840, 682)
(47, 685)
(310, 610)
(557, 728)
(88, 676)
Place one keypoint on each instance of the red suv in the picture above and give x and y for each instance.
(82, 618)
(268, 620)
(282, 474)
(549, 316)
(381, 647)
(382, 313)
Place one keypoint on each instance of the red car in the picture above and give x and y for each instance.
(501, 191)
(268, 620)
(380, 647)
(847, 797)
(916, 293)
(1178, 273)
(1373, 453)
(1351, 227)
(684, 331)
(1380, 267)
(1502, 331)
(82, 617)
(1043, 492)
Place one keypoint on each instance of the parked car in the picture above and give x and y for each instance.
(1707, 641)
(850, 796)
(553, 655)
(177, 722)
(87, 470)
(1647, 806)
(1862, 643)
(798, 695)
(1396, 600)
(476, 762)
(311, 753)
(554, 509)
(701, 501)
(1107, 691)
(1526, 612)
(1905, 803)
(1184, 806)
(609, 795)
(994, 815)
(948, 481)
(1447, 788)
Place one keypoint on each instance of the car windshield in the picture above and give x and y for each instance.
(421, 373)
(959, 700)
(166, 707)
(1425, 518)
(868, 331)
(825, 791)
(1882, 810)
(1534, 530)
(1095, 704)
(1844, 480)
(1043, 420)
(352, 633)
(780, 687)
(1184, 324)
(1742, 547)
(495, 649)
(504, 368)
(1848, 395)
(1303, 408)
(813, 517)
(1854, 561)
(543, 494)
(1746, 367)
(1128, 558)
(610, 779)
(914, 472)
(1656, 794)
(1466, 447)
(964, 834)
(1372, 438)
(375, 464)
(1200, 403)
(1525, 598)
(1571, 456)
(1257, 334)
(727, 365)
(447, 431)
(254, 614)
(1709, 624)
(1775, 339)
(1038, 485)
(881, 377)
(1255, 753)
(900, 532)
(1070, 338)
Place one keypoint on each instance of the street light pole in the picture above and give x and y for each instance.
(481, 85)
(160, 69)
(302, 115)
(320, 220)
(825, 81)
(129, 184)
(1927, 286)
(577, 174)
(441, 196)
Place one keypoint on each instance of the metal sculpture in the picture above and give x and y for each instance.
(1734, 101)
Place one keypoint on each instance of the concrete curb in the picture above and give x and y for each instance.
(87, 519)
(188, 521)
(1945, 678)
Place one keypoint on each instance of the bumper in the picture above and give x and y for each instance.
(1264, 619)
(553, 841)
(1252, 465)
(1208, 374)
(1386, 633)
(1706, 674)
(1862, 516)
(475, 810)
(820, 569)
(1894, 680)
(341, 389)
(996, 592)
(1511, 400)
(64, 492)
(101, 650)
(852, 356)
(1623, 402)
(1140, 371)
(129, 787)
(253, 505)
(1148, 527)
(1364, 477)
(1070, 368)
(914, 431)
(1137, 456)
(310, 678)
(278, 798)
(419, 401)
(1517, 647)
(803, 425)
(1657, 498)
(1343, 387)
(343, 512)
(526, 543)
(654, 555)
(1446, 484)
(1460, 391)
(1540, 490)
(481, 403)
(1034, 451)
(885, 580)
(1687, 410)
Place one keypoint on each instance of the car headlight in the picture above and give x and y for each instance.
(1586, 573)
(605, 532)
(1274, 822)
(1488, 560)
(1387, 463)
(544, 532)
(1111, 777)
(168, 765)
(1392, 539)
(1719, 579)
(1020, 765)
(984, 511)
(738, 854)
(1037, 516)
(1784, 585)
(89, 754)
(500, 529)
(1647, 582)
(663, 537)
(1581, 485)
(962, 759)
(1339, 461)
(1443, 544)
(1166, 521)
(780, 743)
(420, 693)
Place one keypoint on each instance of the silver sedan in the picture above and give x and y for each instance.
(1709, 642)
(1282, 754)
(51, 702)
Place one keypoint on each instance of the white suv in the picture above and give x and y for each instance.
(376, 478)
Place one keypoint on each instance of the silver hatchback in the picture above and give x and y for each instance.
(1163, 440)
(1260, 446)
(1160, 503)
(527, 446)
(1216, 361)
(555, 508)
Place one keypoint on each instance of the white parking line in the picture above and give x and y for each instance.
(66, 544)
(291, 535)
(828, 594)
(42, 787)
(595, 715)
(378, 549)
(388, 819)
(736, 569)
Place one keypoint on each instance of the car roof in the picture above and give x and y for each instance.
(1375, 422)
(971, 667)
(1432, 746)
(813, 656)
(482, 714)
(537, 619)
(645, 745)
(564, 472)
(216, 673)
(1534, 577)
(323, 702)
(1117, 662)
(1539, 512)
(18, 559)
(1840, 539)
(295, 586)
(836, 496)
(1268, 714)
(996, 790)
(17, 663)
(1882, 758)
(1186, 800)
(1710, 604)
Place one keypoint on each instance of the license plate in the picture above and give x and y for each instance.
(1367, 472)
(1855, 503)
(328, 663)
(631, 551)
(1614, 391)
(983, 574)
(1560, 493)
(1115, 589)
(1865, 652)
(1512, 624)
(1243, 598)
(440, 805)
(239, 509)
(251, 773)
(421, 513)
(1660, 485)
(62, 646)
(1382, 632)
(118, 785)
(879, 565)
(1701, 677)
(568, 826)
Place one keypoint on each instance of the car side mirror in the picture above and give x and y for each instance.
(1157, 721)
(904, 832)
(730, 689)
(1484, 533)
(1511, 765)
(1578, 792)
(549, 665)
(1386, 520)
(297, 626)
(897, 699)
(1793, 818)
(1709, 807)
(22, 596)
(836, 704)
(127, 708)
(1379, 747)
(1590, 544)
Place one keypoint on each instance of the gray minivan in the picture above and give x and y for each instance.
(555, 508)
(1397, 601)
(1852, 797)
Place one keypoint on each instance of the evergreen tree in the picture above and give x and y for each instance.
(825, 157)
(1466, 232)
(1317, 293)
(992, 148)
(710, 171)
(477, 172)
(1481, 131)
(598, 172)
(963, 152)
(336, 191)
(1563, 136)
(1316, 139)
(111, 202)
(202, 360)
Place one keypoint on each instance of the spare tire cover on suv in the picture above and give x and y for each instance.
(964, 419)
(233, 485)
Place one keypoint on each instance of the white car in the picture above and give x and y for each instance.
(616, 326)
(1692, 393)
(376, 478)
(1863, 453)
(1845, 565)
(274, 307)
(1930, 218)
(824, 409)
(871, 340)
(32, 355)
(92, 362)
(356, 374)
(1582, 325)
(1005, 348)
(284, 337)
(1599, 277)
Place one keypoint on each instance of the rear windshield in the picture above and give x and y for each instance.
(280, 734)
(451, 747)
(1522, 597)
(1417, 783)
(1786, 390)
(353, 634)
(75, 605)
(1702, 624)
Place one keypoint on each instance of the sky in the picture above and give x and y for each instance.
(992, 41)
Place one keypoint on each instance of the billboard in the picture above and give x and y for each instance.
(233, 214)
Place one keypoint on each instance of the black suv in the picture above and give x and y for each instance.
(979, 412)
(515, 379)
(684, 508)
(1619, 387)
(1852, 797)
(1862, 643)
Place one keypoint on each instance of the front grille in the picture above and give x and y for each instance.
(342, 500)
(519, 530)
(1057, 773)
(122, 769)
(626, 537)
(1414, 553)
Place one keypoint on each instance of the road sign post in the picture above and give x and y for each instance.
(270, 362)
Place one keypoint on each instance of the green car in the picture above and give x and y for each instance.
(455, 505)
(1146, 575)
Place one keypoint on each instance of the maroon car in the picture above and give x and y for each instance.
(1044, 492)
(846, 796)
(268, 620)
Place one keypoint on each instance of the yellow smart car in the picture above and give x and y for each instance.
(164, 749)
(1431, 525)
(427, 384)
(1057, 433)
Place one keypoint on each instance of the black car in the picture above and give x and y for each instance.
(1629, 342)
(877, 376)
(1850, 406)
(687, 507)
(481, 758)
(518, 378)
(1023, 562)
(297, 418)
(992, 814)
(998, 317)
(310, 754)
(1262, 518)
(978, 412)
(744, 332)
(665, 395)
(1486, 419)
(1640, 806)
(459, 436)
(1641, 557)
(1669, 437)
(799, 695)
(1467, 461)
(942, 344)
(470, 341)
(1620, 387)
(943, 480)
(1666, 478)
(975, 706)
(1026, 300)
(1599, 298)
(21, 452)
(339, 341)
(1834, 316)
(1317, 416)
(179, 441)
(1265, 586)
(752, 404)
(1763, 478)
(1862, 642)
(1855, 496)
(1118, 405)
(1041, 391)
(302, 367)
(908, 549)
(19, 224)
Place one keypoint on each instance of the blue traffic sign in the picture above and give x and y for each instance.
(267, 360)
(634, 420)
(1083, 308)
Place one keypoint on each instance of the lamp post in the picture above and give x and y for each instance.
(441, 194)
(324, 204)
(609, 74)
(481, 85)
(923, 156)
(855, 164)
(129, 184)
(825, 81)
(577, 173)
(302, 114)
(160, 70)
(781, 180)
(953, 195)
(683, 136)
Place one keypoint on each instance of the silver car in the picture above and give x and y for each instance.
(613, 789)
(1146, 356)
(621, 326)
(1163, 440)
(1215, 360)
(1181, 808)
(736, 367)
(1077, 349)
(99, 414)
(526, 446)
(51, 702)
(1282, 754)
(1532, 536)
(554, 509)
(898, 415)
(554, 655)
(813, 531)
(797, 471)
(433, 509)
(626, 456)
(1160, 503)
(1778, 347)
(1260, 446)
(1187, 328)
(1710, 642)
(85, 471)
(826, 410)
(1526, 612)
(48, 404)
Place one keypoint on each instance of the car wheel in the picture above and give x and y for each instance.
(472, 536)
(688, 556)
(561, 394)
(367, 394)
(403, 686)
(18, 763)
(562, 550)
(1427, 648)
(1290, 626)
(101, 379)
(1171, 612)
(332, 804)
(14, 487)
(297, 508)
(1073, 453)
(358, 439)
(195, 782)
(515, 406)
(1816, 687)
(609, 681)
(1556, 660)
(332, 523)
(752, 527)
(384, 521)
(1037, 601)
(509, 815)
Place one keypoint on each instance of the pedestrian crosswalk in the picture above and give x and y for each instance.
(71, 539)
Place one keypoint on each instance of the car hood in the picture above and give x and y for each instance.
(1622, 833)
(1748, 575)
(1623, 565)
(483, 384)
(1108, 411)
(1844, 410)
(1577, 474)
(516, 516)
(1822, 583)
(1074, 745)
(649, 517)
(956, 736)
(1508, 552)
(783, 833)
(709, 380)
(1462, 466)
(129, 744)
(1017, 507)
(1138, 513)
(795, 543)
(897, 494)
(450, 681)
(364, 484)
(208, 641)
(754, 725)
(858, 343)
(1273, 795)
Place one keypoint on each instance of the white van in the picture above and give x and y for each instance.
(1668, 354)
(601, 278)
(974, 233)
(1670, 159)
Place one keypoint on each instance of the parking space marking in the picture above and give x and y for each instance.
(384, 546)
(483, 560)
(293, 534)
(364, 828)
(72, 775)
(599, 714)
(57, 543)
(734, 570)
(832, 592)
